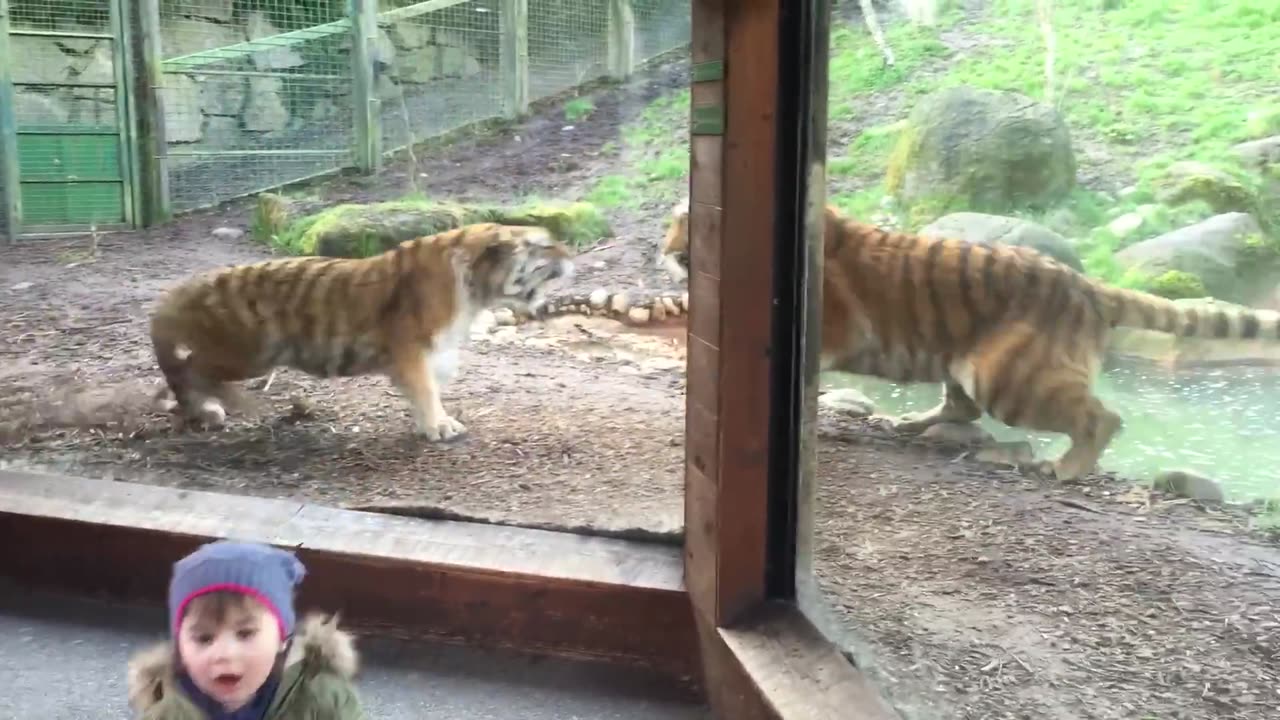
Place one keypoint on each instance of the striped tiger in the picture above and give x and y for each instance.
(403, 314)
(1007, 330)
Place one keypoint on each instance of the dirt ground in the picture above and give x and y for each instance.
(974, 593)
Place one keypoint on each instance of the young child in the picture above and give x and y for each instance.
(234, 653)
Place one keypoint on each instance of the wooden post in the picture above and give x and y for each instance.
(622, 39)
(10, 190)
(122, 65)
(367, 106)
(146, 114)
(514, 21)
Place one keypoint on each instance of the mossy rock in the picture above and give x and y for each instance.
(1190, 181)
(1177, 285)
(987, 151)
(363, 230)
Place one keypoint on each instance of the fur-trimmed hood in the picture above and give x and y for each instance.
(318, 644)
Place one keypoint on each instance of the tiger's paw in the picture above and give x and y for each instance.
(211, 414)
(443, 429)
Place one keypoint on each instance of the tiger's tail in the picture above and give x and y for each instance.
(1132, 308)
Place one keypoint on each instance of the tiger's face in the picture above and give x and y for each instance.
(517, 266)
(673, 248)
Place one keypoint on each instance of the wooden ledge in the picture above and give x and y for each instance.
(530, 590)
(779, 666)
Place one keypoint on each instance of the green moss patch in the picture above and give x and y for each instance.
(363, 230)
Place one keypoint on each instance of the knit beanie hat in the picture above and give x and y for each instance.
(265, 573)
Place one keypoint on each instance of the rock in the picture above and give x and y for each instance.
(503, 317)
(638, 315)
(183, 122)
(484, 322)
(1228, 252)
(671, 305)
(276, 58)
(982, 150)
(847, 401)
(598, 298)
(1189, 181)
(227, 234)
(1187, 484)
(1259, 154)
(619, 304)
(958, 433)
(684, 300)
(1125, 225)
(265, 110)
(657, 311)
(982, 228)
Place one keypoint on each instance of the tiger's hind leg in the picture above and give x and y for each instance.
(1024, 382)
(957, 406)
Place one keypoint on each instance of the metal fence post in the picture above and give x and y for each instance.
(10, 190)
(366, 65)
(146, 113)
(514, 20)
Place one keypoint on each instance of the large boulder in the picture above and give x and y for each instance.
(362, 230)
(988, 229)
(1228, 252)
(984, 150)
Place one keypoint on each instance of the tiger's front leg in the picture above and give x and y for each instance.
(414, 377)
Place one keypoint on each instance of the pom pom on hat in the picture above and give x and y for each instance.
(265, 573)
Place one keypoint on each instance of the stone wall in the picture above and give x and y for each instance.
(213, 110)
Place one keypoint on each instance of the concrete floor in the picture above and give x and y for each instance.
(64, 659)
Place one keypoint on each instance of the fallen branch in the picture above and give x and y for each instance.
(873, 24)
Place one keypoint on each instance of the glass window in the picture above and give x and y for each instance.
(572, 114)
(1014, 509)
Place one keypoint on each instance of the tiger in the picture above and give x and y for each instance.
(673, 248)
(403, 314)
(1006, 330)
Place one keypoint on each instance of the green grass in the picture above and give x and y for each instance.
(1150, 83)
(1153, 82)
(653, 162)
(579, 109)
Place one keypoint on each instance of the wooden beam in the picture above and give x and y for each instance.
(514, 54)
(731, 223)
(536, 591)
(777, 665)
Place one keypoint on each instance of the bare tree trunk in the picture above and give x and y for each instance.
(1044, 16)
(873, 24)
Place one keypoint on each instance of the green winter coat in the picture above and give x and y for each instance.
(316, 685)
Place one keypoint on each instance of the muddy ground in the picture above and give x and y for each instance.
(974, 592)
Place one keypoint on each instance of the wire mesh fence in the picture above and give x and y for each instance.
(439, 70)
(661, 26)
(568, 44)
(255, 94)
(66, 112)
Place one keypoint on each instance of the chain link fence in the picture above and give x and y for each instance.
(255, 94)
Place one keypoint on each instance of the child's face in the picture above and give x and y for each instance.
(231, 659)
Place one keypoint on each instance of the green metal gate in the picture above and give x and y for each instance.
(65, 153)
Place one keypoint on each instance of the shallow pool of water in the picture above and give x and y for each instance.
(1223, 423)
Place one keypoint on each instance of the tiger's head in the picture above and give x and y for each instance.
(514, 266)
(673, 248)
